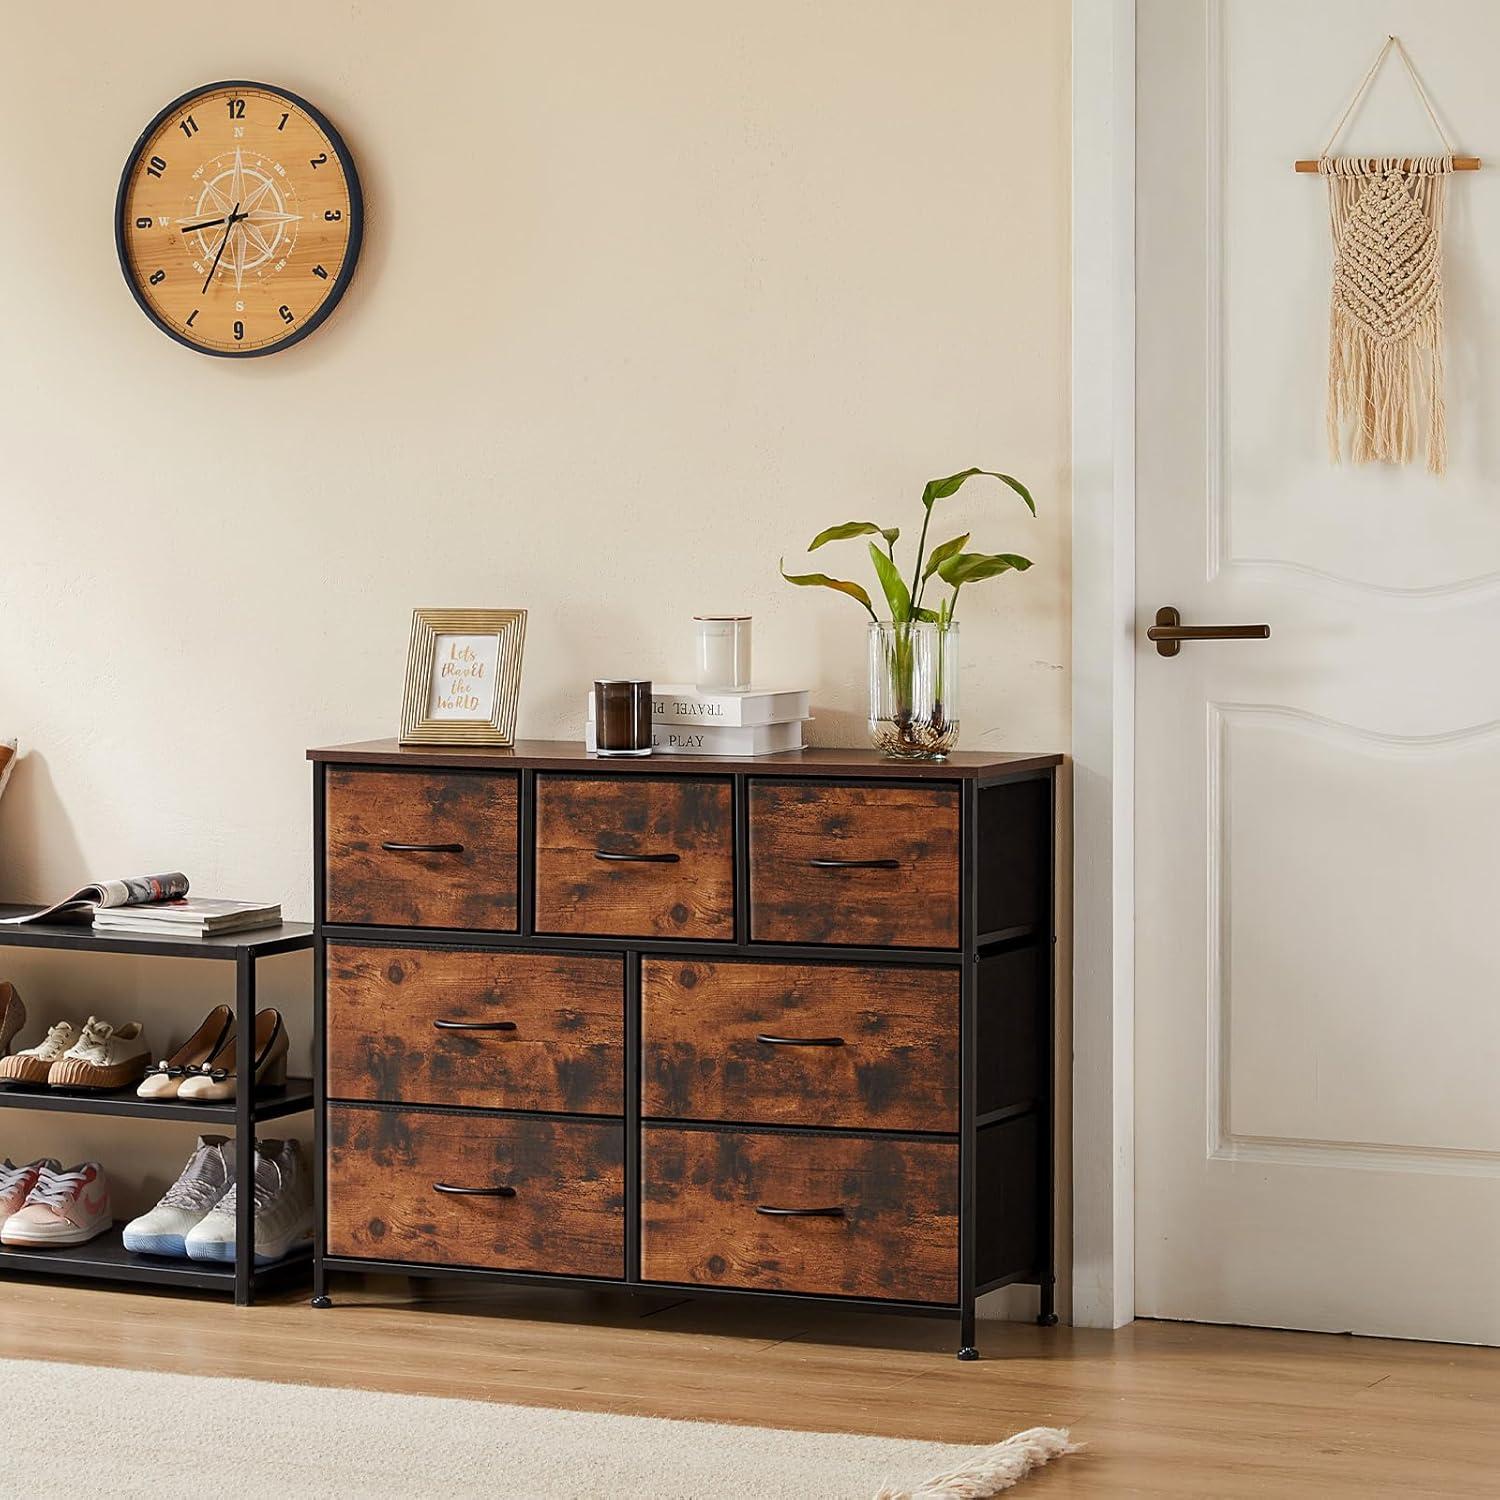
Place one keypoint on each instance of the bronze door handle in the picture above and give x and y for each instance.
(1169, 632)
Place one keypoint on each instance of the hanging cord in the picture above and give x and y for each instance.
(1391, 42)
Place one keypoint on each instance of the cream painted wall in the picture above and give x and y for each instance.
(649, 294)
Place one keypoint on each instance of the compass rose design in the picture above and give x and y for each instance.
(260, 227)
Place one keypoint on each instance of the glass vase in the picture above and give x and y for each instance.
(913, 689)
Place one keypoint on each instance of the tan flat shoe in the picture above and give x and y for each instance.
(12, 1014)
(164, 1079)
(219, 1076)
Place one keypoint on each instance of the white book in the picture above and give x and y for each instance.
(753, 739)
(681, 704)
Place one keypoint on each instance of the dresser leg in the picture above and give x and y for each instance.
(1047, 1317)
(966, 1349)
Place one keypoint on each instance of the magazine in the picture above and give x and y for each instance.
(140, 890)
(196, 915)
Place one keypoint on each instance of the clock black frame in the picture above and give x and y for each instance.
(356, 219)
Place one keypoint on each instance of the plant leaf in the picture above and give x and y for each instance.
(941, 553)
(854, 528)
(897, 595)
(930, 616)
(940, 489)
(970, 567)
(822, 580)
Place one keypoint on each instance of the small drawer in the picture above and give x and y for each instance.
(863, 866)
(846, 1045)
(631, 856)
(422, 848)
(466, 1189)
(839, 1215)
(537, 1031)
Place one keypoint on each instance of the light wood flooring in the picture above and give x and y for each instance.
(1166, 1409)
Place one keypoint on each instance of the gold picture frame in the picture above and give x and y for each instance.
(463, 677)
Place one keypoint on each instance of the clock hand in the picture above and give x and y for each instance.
(204, 224)
(234, 217)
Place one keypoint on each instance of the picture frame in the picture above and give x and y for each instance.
(463, 677)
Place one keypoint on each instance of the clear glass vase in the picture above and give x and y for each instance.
(913, 689)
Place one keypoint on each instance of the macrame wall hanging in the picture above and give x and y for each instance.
(1385, 337)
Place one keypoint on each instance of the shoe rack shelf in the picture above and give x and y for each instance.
(270, 1103)
(105, 1258)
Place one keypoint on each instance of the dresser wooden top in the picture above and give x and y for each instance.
(566, 755)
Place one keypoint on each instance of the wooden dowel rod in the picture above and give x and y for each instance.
(1460, 163)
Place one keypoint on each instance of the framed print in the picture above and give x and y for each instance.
(463, 676)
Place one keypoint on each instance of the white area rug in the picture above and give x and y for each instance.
(83, 1430)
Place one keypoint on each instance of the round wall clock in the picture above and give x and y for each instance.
(238, 220)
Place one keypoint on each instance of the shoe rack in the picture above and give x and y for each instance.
(105, 1257)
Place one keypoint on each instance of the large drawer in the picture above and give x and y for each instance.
(865, 866)
(539, 1031)
(422, 848)
(835, 1214)
(467, 1189)
(630, 856)
(857, 1046)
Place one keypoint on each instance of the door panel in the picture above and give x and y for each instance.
(1318, 814)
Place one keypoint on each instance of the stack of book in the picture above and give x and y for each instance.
(690, 721)
(191, 916)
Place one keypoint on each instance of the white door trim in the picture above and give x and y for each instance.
(1103, 465)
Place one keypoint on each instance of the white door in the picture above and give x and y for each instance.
(1318, 836)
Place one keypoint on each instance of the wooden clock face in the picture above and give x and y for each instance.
(238, 219)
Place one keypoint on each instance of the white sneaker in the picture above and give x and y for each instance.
(208, 1175)
(102, 1058)
(283, 1208)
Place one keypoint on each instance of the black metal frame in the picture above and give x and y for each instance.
(105, 1258)
(965, 957)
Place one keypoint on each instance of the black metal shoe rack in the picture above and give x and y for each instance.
(105, 1257)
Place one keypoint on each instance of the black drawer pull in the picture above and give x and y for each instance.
(638, 859)
(836, 1212)
(855, 864)
(394, 848)
(800, 1041)
(474, 1025)
(473, 1192)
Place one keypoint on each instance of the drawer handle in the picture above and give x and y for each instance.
(445, 1025)
(473, 1192)
(394, 848)
(835, 1212)
(855, 864)
(638, 859)
(800, 1041)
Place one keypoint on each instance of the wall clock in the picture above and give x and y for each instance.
(238, 220)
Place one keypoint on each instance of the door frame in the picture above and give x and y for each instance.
(1103, 688)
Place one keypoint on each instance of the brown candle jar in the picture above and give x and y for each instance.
(622, 716)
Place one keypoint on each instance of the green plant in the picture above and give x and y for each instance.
(947, 561)
(906, 722)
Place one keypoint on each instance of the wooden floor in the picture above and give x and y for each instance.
(1166, 1409)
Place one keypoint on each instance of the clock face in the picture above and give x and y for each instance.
(238, 220)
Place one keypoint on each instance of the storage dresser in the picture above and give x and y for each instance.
(745, 1027)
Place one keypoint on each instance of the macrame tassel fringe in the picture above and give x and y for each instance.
(1385, 337)
(1377, 384)
(994, 1470)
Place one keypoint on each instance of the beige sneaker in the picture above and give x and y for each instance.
(102, 1058)
(34, 1063)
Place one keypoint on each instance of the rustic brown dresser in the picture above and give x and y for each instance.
(744, 1027)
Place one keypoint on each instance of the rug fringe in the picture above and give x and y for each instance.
(995, 1469)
